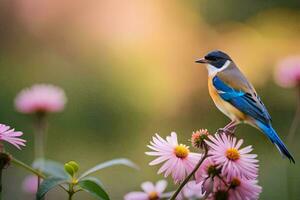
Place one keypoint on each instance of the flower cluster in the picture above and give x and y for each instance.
(224, 171)
(229, 170)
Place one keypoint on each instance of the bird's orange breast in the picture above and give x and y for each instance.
(223, 106)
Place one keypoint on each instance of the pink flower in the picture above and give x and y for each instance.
(177, 158)
(30, 184)
(11, 136)
(40, 98)
(207, 174)
(237, 189)
(225, 151)
(207, 169)
(241, 188)
(150, 191)
(193, 190)
(287, 73)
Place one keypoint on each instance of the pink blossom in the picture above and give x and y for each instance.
(241, 188)
(207, 174)
(11, 136)
(40, 98)
(177, 158)
(193, 190)
(237, 189)
(207, 169)
(287, 73)
(225, 151)
(150, 191)
(30, 184)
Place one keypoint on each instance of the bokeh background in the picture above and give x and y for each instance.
(128, 70)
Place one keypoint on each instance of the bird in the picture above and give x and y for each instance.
(236, 97)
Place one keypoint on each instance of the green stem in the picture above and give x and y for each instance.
(40, 140)
(189, 176)
(27, 167)
(71, 191)
(40, 135)
(1, 182)
(70, 196)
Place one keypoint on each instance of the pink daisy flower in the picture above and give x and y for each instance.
(225, 151)
(237, 189)
(11, 136)
(177, 158)
(208, 169)
(287, 73)
(30, 184)
(40, 98)
(207, 174)
(150, 191)
(241, 188)
(193, 190)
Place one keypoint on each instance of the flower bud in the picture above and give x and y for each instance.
(74, 165)
(69, 169)
(198, 138)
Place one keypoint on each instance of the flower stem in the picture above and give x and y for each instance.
(40, 140)
(173, 197)
(27, 167)
(40, 135)
(4, 161)
(71, 191)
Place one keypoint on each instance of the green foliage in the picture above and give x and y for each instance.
(47, 185)
(60, 177)
(93, 188)
(120, 161)
(71, 168)
(50, 168)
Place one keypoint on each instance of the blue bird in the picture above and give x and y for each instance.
(235, 96)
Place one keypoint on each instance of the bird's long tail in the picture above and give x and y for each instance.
(272, 135)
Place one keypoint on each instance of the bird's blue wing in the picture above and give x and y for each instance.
(243, 101)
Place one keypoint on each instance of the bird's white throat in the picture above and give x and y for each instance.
(213, 70)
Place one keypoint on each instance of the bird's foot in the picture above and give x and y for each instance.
(228, 131)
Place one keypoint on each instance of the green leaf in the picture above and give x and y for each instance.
(93, 188)
(47, 185)
(69, 169)
(50, 167)
(120, 161)
(94, 179)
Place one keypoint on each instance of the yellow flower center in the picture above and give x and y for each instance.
(153, 196)
(232, 154)
(181, 151)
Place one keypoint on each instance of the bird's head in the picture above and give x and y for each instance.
(215, 60)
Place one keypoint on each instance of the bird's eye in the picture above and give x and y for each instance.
(211, 58)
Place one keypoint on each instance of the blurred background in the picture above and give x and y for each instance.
(128, 70)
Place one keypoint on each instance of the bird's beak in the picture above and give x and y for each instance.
(202, 60)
